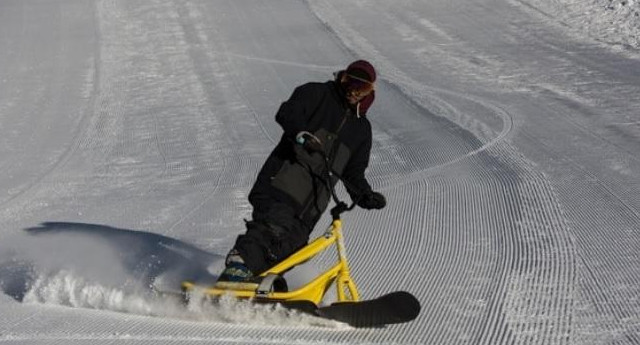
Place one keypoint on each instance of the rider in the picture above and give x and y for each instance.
(290, 194)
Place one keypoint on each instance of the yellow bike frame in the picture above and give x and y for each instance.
(313, 291)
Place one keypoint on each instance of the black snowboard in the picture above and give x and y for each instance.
(395, 307)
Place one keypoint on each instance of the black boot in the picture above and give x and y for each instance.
(236, 270)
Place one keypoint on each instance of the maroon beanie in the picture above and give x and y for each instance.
(362, 69)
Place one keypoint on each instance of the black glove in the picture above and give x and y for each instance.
(310, 142)
(372, 200)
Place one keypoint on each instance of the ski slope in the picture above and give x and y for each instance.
(506, 139)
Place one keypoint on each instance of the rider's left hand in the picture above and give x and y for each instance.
(372, 200)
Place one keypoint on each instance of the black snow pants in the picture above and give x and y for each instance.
(272, 235)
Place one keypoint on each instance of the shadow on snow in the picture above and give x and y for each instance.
(122, 258)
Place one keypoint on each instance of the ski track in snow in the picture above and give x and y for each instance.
(614, 23)
(177, 102)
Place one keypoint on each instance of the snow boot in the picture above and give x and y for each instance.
(236, 270)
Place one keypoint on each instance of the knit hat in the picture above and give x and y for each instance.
(362, 69)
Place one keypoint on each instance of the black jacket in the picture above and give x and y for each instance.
(293, 176)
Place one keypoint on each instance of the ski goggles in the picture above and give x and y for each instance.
(357, 86)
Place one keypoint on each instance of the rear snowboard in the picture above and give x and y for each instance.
(395, 307)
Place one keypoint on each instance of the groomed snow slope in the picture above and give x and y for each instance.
(131, 132)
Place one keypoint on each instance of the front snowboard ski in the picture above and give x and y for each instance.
(395, 307)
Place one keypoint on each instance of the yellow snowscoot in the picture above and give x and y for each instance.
(271, 287)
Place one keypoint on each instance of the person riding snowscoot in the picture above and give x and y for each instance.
(320, 121)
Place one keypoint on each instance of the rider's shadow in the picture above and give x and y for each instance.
(135, 259)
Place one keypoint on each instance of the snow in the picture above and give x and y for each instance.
(615, 22)
(506, 141)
